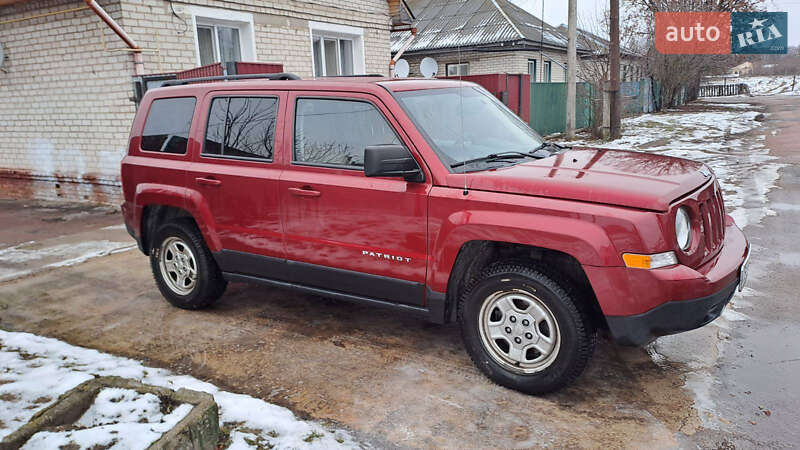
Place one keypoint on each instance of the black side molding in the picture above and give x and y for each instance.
(392, 290)
(402, 295)
(435, 312)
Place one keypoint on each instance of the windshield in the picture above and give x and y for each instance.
(467, 123)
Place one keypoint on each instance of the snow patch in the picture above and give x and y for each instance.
(701, 384)
(745, 106)
(114, 227)
(774, 85)
(731, 315)
(120, 417)
(37, 370)
(745, 169)
(19, 257)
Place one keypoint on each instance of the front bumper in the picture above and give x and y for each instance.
(640, 305)
(669, 318)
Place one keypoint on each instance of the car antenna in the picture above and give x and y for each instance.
(461, 116)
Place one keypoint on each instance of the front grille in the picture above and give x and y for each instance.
(712, 217)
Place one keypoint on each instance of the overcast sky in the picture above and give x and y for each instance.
(555, 12)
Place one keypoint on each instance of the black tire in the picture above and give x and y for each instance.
(209, 285)
(575, 330)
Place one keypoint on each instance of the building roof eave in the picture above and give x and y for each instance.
(10, 2)
(505, 46)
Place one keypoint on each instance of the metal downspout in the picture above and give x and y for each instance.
(138, 62)
(401, 51)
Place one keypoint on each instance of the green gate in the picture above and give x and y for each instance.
(584, 106)
(549, 107)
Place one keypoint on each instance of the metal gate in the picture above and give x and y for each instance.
(721, 90)
(549, 107)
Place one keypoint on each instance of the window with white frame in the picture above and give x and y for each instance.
(547, 72)
(336, 49)
(223, 36)
(532, 69)
(459, 69)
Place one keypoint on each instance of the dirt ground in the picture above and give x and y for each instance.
(399, 382)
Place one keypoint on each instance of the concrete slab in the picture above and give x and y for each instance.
(198, 430)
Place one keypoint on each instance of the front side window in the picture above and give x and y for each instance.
(547, 72)
(167, 126)
(466, 123)
(241, 127)
(218, 43)
(460, 69)
(335, 132)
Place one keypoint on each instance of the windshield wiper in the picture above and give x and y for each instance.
(492, 157)
(546, 144)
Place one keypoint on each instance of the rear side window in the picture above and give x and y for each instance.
(241, 127)
(335, 132)
(167, 126)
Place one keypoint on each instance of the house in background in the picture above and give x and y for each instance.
(595, 58)
(743, 69)
(474, 37)
(477, 37)
(66, 81)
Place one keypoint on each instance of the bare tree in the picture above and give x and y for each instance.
(679, 74)
(594, 63)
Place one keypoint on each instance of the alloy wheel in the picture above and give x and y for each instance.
(178, 265)
(519, 331)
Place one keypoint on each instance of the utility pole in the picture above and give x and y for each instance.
(572, 65)
(613, 68)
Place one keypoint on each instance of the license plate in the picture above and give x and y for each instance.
(743, 271)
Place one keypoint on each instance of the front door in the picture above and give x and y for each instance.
(343, 231)
(237, 174)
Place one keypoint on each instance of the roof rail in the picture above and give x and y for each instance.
(361, 75)
(267, 76)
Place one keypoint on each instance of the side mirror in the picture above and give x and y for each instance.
(391, 161)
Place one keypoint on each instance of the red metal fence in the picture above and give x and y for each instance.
(514, 90)
(211, 70)
(240, 68)
(243, 68)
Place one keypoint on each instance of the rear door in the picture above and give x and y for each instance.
(237, 173)
(344, 231)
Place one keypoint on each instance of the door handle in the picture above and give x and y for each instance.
(304, 192)
(208, 181)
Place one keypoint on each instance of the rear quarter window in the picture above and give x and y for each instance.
(166, 129)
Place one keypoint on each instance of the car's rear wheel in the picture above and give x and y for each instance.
(184, 270)
(524, 329)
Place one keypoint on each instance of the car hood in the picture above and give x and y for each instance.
(615, 177)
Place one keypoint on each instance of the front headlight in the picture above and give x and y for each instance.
(683, 228)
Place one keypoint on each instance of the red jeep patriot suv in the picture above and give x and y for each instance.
(430, 197)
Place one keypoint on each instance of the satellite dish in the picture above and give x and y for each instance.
(428, 67)
(401, 68)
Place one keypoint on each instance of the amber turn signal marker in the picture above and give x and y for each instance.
(637, 261)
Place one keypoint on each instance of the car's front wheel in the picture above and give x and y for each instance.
(184, 270)
(524, 329)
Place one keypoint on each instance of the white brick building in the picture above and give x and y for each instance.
(66, 81)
